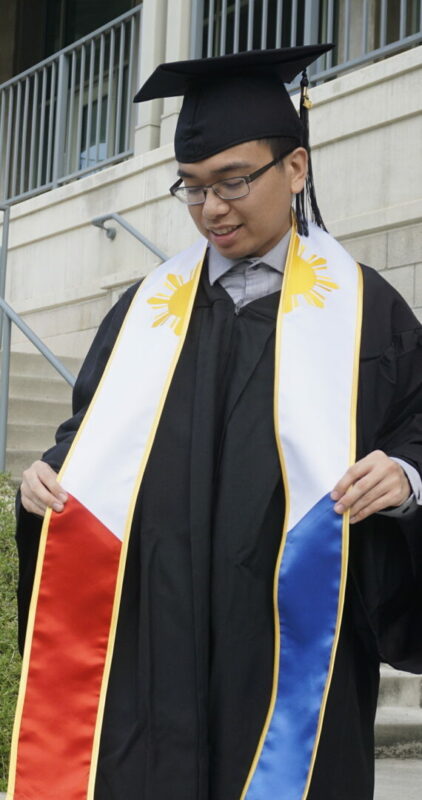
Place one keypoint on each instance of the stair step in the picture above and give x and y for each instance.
(395, 725)
(400, 688)
(398, 779)
(24, 411)
(35, 364)
(40, 387)
(30, 437)
(39, 400)
(18, 460)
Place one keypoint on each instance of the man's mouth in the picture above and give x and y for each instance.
(224, 232)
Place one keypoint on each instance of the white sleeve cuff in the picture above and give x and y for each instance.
(415, 499)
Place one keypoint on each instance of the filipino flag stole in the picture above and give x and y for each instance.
(75, 603)
(78, 583)
(317, 362)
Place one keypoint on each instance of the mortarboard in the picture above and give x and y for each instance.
(237, 98)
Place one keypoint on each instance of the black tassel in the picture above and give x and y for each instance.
(306, 202)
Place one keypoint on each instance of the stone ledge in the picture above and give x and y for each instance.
(395, 779)
(400, 689)
(395, 726)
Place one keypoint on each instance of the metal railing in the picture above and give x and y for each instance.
(71, 113)
(363, 30)
(9, 316)
(111, 232)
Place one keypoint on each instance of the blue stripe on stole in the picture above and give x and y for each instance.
(308, 595)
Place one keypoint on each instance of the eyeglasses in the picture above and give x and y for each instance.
(227, 189)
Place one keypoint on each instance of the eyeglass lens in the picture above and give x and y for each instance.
(229, 189)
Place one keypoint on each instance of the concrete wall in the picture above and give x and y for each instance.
(64, 274)
(367, 136)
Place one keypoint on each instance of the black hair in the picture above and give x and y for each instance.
(280, 146)
(306, 203)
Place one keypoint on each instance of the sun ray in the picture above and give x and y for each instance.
(324, 283)
(158, 303)
(174, 281)
(160, 320)
(176, 302)
(303, 279)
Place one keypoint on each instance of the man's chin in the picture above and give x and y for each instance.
(234, 252)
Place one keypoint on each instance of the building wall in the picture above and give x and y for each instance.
(367, 135)
(64, 274)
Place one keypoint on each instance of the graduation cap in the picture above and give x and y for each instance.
(239, 98)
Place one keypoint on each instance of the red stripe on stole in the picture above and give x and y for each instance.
(71, 632)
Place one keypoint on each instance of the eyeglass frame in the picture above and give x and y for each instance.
(247, 178)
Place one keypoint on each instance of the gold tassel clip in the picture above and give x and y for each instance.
(306, 100)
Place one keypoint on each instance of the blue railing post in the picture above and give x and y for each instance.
(196, 28)
(61, 118)
(310, 28)
(5, 334)
(3, 255)
(4, 387)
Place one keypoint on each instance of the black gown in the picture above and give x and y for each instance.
(192, 669)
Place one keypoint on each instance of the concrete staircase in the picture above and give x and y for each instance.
(398, 736)
(398, 728)
(39, 399)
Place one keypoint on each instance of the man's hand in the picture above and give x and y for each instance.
(373, 484)
(40, 490)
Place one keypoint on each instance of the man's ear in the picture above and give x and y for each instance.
(297, 167)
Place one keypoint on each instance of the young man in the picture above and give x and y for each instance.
(243, 650)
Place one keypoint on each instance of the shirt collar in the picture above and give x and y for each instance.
(218, 265)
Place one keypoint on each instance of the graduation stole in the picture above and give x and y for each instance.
(82, 555)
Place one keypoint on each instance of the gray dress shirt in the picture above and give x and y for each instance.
(247, 279)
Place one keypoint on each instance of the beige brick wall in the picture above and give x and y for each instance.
(397, 255)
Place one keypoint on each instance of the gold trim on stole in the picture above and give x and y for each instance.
(345, 526)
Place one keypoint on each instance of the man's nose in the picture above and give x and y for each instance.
(214, 205)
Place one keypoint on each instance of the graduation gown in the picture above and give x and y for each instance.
(192, 669)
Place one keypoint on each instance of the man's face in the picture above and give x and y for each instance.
(250, 225)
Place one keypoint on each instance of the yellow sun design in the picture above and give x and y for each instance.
(175, 304)
(303, 279)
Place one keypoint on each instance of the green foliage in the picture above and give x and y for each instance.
(9, 656)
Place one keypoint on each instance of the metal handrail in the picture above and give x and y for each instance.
(111, 232)
(71, 113)
(37, 342)
(9, 315)
(309, 22)
(3, 253)
(70, 47)
(360, 61)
